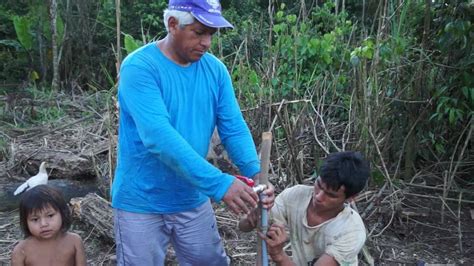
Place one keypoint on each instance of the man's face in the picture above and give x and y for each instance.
(192, 41)
(326, 199)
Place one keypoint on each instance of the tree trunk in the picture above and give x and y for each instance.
(53, 6)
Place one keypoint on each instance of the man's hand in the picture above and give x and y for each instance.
(240, 198)
(269, 193)
(249, 222)
(275, 239)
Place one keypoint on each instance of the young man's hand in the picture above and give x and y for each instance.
(249, 222)
(276, 238)
(269, 199)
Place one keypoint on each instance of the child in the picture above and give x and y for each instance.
(45, 219)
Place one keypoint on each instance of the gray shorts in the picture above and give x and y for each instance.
(142, 239)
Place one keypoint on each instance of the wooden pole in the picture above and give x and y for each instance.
(53, 14)
(118, 60)
(263, 179)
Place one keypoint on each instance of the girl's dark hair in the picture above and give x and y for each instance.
(347, 168)
(39, 198)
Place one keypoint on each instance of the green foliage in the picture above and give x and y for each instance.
(438, 143)
(452, 108)
(363, 74)
(131, 44)
(308, 49)
(366, 51)
(248, 83)
(22, 28)
(453, 98)
(60, 30)
(142, 18)
(32, 32)
(377, 177)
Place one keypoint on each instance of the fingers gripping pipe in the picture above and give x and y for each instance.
(259, 189)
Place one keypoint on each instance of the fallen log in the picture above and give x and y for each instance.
(62, 164)
(69, 188)
(96, 213)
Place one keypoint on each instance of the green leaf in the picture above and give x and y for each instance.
(452, 116)
(253, 77)
(279, 15)
(60, 29)
(439, 148)
(277, 28)
(131, 44)
(274, 82)
(327, 58)
(22, 29)
(291, 19)
(367, 52)
(434, 116)
(448, 27)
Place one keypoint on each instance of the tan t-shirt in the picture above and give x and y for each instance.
(341, 237)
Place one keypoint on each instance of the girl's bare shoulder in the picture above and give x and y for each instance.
(19, 247)
(23, 244)
(19, 252)
(69, 236)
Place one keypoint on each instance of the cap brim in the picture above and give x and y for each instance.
(213, 21)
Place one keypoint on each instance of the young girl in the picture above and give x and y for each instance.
(45, 219)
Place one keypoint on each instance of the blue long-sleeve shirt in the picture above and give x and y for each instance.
(167, 116)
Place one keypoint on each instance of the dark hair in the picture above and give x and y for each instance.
(39, 198)
(347, 168)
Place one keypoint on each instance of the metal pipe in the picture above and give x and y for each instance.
(264, 222)
(259, 189)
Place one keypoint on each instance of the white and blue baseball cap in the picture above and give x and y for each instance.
(208, 12)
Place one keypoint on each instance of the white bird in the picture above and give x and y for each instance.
(39, 179)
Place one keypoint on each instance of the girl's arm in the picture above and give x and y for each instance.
(80, 257)
(18, 255)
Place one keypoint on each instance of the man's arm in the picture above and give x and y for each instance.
(233, 130)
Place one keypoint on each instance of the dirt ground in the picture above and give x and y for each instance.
(405, 228)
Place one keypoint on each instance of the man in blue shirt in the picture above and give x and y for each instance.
(172, 94)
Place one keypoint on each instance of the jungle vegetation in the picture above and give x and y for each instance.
(391, 78)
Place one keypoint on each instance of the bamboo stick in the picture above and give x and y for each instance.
(263, 179)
